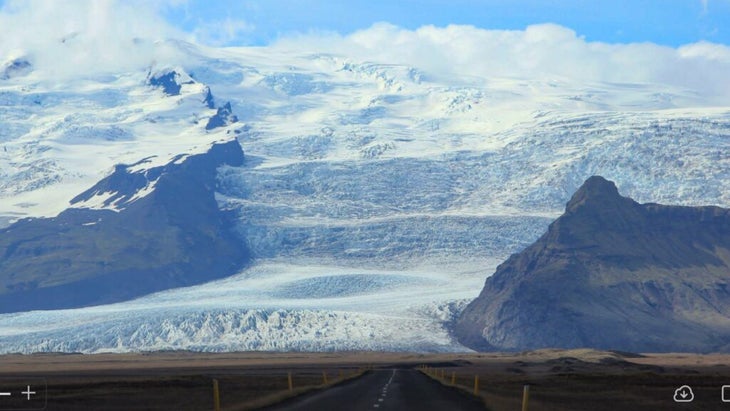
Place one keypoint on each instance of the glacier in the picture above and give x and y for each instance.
(271, 306)
(376, 198)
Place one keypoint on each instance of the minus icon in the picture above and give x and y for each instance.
(4, 394)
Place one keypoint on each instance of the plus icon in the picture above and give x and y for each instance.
(28, 392)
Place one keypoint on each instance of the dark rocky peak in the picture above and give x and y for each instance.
(169, 80)
(16, 68)
(223, 117)
(597, 192)
(208, 99)
(597, 207)
(122, 185)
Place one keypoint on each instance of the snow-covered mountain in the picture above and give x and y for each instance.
(375, 197)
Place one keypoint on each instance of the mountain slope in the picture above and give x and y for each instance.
(362, 170)
(611, 273)
(164, 230)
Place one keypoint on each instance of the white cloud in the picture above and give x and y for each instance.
(75, 37)
(545, 51)
(222, 32)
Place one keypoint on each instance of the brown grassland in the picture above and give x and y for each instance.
(558, 379)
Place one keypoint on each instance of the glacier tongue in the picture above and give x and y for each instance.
(242, 330)
(271, 306)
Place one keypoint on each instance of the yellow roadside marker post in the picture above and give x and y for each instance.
(525, 397)
(476, 384)
(291, 384)
(216, 396)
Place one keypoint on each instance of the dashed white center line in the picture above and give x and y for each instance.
(385, 391)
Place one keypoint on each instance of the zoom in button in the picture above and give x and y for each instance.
(18, 394)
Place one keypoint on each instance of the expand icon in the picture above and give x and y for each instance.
(684, 394)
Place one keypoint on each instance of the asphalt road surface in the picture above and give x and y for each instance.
(396, 389)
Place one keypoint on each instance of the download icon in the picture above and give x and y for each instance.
(684, 394)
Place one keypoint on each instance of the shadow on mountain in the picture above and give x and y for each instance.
(173, 236)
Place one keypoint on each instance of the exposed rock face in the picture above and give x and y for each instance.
(614, 274)
(171, 82)
(175, 235)
(208, 100)
(16, 68)
(223, 117)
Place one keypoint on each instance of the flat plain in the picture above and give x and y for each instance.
(558, 379)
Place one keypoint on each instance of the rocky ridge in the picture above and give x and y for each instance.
(611, 273)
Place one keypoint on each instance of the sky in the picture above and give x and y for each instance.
(261, 22)
(665, 22)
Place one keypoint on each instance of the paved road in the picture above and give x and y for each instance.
(398, 389)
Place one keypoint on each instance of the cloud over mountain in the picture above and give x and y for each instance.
(67, 37)
(544, 51)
